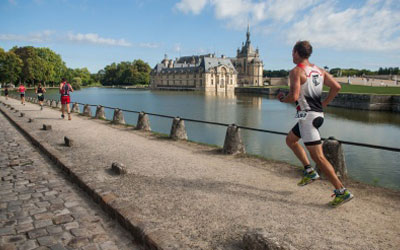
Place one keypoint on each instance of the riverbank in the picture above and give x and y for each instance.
(180, 195)
(343, 100)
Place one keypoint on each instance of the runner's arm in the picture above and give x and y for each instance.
(334, 88)
(294, 90)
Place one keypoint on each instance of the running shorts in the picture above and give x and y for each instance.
(22, 94)
(65, 99)
(41, 98)
(307, 128)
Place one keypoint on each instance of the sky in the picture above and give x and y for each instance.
(95, 33)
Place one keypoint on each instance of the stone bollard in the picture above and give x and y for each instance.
(333, 151)
(75, 108)
(48, 103)
(118, 117)
(21, 114)
(68, 141)
(178, 131)
(100, 114)
(58, 105)
(86, 110)
(233, 141)
(262, 240)
(118, 168)
(46, 127)
(53, 104)
(143, 122)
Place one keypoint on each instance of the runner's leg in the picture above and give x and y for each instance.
(317, 155)
(293, 143)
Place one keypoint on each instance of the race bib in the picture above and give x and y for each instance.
(301, 115)
(39, 94)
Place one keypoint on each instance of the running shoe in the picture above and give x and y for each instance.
(41, 107)
(340, 198)
(308, 177)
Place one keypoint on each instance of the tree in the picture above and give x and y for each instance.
(10, 66)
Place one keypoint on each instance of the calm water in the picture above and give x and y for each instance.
(368, 165)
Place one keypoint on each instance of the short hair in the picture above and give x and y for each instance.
(63, 79)
(303, 48)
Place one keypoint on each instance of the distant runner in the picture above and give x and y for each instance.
(40, 94)
(6, 93)
(21, 90)
(306, 82)
(65, 89)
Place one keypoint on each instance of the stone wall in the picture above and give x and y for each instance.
(352, 101)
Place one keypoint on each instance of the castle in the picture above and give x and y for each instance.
(210, 73)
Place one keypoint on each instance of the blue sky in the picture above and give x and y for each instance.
(95, 33)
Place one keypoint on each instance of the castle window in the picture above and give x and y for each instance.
(212, 81)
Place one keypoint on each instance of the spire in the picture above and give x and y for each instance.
(248, 33)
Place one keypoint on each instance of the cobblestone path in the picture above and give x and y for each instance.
(41, 209)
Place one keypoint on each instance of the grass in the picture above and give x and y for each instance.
(358, 89)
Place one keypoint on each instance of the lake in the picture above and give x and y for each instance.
(372, 166)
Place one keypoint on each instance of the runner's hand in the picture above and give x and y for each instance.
(280, 96)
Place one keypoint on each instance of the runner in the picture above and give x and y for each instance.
(40, 94)
(306, 82)
(65, 89)
(21, 90)
(6, 92)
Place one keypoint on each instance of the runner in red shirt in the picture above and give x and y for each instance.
(21, 90)
(65, 89)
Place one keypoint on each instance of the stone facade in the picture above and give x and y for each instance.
(248, 64)
(210, 73)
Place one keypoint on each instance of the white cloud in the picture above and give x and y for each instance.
(177, 47)
(37, 37)
(375, 27)
(93, 38)
(149, 45)
(194, 6)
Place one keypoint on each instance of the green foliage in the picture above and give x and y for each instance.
(275, 73)
(39, 65)
(10, 67)
(76, 83)
(125, 73)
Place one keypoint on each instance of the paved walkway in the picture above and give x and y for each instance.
(41, 209)
(188, 196)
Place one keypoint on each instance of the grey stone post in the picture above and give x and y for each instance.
(68, 141)
(53, 104)
(48, 103)
(86, 110)
(233, 141)
(100, 114)
(143, 122)
(118, 117)
(58, 104)
(75, 108)
(333, 151)
(178, 131)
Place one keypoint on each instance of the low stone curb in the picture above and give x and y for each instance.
(106, 198)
